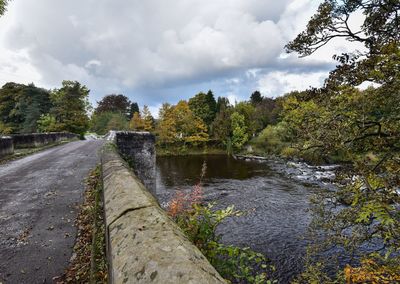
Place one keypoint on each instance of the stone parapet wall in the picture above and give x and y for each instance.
(6, 146)
(143, 244)
(138, 149)
(39, 139)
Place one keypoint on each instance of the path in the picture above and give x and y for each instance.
(39, 195)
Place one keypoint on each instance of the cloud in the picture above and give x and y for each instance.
(156, 50)
(276, 83)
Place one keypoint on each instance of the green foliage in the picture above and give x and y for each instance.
(204, 106)
(70, 107)
(4, 129)
(47, 123)
(247, 110)
(102, 123)
(239, 131)
(221, 126)
(358, 126)
(236, 264)
(21, 107)
(3, 6)
(134, 107)
(273, 139)
(256, 98)
(379, 33)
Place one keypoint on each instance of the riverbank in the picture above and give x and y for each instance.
(186, 151)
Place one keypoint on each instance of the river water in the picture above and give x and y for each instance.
(276, 204)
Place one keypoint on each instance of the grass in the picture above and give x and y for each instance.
(89, 263)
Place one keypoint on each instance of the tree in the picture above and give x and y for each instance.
(239, 130)
(32, 105)
(204, 106)
(256, 98)
(221, 126)
(3, 7)
(21, 106)
(166, 130)
(115, 103)
(70, 105)
(148, 120)
(222, 102)
(47, 123)
(247, 110)
(362, 126)
(179, 124)
(102, 123)
(264, 114)
(117, 122)
(142, 121)
(189, 127)
(137, 123)
(134, 107)
(380, 34)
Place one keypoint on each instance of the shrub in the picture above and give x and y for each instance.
(199, 222)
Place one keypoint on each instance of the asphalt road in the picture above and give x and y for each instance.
(39, 198)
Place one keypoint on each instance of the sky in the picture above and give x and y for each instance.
(157, 51)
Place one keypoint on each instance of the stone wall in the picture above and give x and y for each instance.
(143, 244)
(39, 139)
(6, 146)
(138, 149)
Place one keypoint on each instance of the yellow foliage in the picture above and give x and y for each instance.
(136, 122)
(371, 272)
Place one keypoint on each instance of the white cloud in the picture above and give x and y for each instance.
(145, 47)
(277, 83)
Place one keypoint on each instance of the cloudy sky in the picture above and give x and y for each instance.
(155, 51)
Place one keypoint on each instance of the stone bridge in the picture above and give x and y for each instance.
(39, 195)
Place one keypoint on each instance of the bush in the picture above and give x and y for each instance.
(199, 222)
(272, 139)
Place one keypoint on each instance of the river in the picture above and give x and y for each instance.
(276, 204)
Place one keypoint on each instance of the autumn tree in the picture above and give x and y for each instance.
(137, 123)
(189, 127)
(148, 120)
(179, 124)
(166, 130)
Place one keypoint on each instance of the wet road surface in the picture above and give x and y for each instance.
(39, 198)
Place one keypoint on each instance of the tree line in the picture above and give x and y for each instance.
(29, 109)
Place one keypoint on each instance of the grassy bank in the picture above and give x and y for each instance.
(89, 263)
